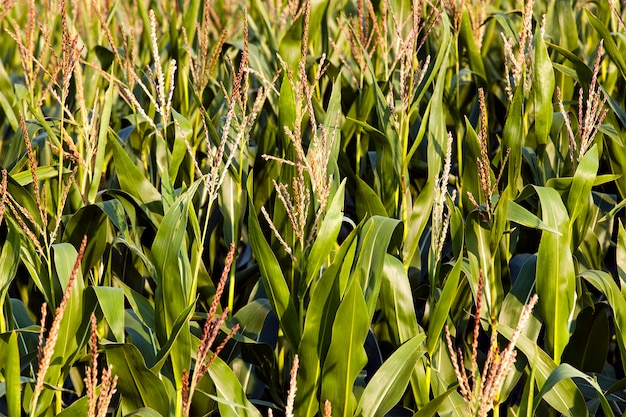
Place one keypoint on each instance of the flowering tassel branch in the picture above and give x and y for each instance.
(209, 333)
(590, 115)
(481, 392)
(46, 352)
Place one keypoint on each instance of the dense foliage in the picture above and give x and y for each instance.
(312, 207)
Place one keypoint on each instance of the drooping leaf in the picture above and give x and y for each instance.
(137, 384)
(388, 383)
(228, 388)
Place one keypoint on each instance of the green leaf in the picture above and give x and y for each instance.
(396, 301)
(566, 371)
(88, 221)
(79, 408)
(605, 283)
(176, 285)
(73, 328)
(589, 345)
(273, 278)
(389, 382)
(556, 281)
(442, 307)
(564, 396)
(144, 412)
(580, 192)
(9, 260)
(346, 355)
(520, 215)
(179, 330)
(322, 309)
(132, 179)
(105, 118)
(374, 240)
(180, 148)
(476, 64)
(25, 178)
(543, 88)
(139, 387)
(8, 112)
(229, 388)
(12, 376)
(367, 201)
(513, 136)
(432, 407)
(111, 301)
(326, 238)
(609, 44)
(620, 257)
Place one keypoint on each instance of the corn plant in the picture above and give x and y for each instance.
(303, 208)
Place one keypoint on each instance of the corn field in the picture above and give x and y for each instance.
(312, 208)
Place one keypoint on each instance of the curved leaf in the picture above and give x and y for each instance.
(389, 383)
(228, 388)
(273, 278)
(137, 384)
(564, 396)
(346, 355)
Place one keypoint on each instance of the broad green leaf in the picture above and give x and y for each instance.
(12, 377)
(273, 278)
(180, 148)
(25, 178)
(374, 240)
(478, 237)
(513, 138)
(432, 407)
(326, 238)
(559, 19)
(565, 397)
(520, 215)
(88, 221)
(589, 345)
(144, 412)
(8, 112)
(346, 355)
(9, 261)
(103, 134)
(418, 219)
(367, 201)
(389, 382)
(111, 301)
(605, 283)
(176, 285)
(441, 308)
(181, 325)
(131, 178)
(437, 134)
(476, 64)
(584, 178)
(543, 88)
(139, 387)
(566, 371)
(79, 408)
(322, 309)
(229, 389)
(396, 301)
(620, 258)
(73, 329)
(609, 44)
(398, 308)
(556, 281)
